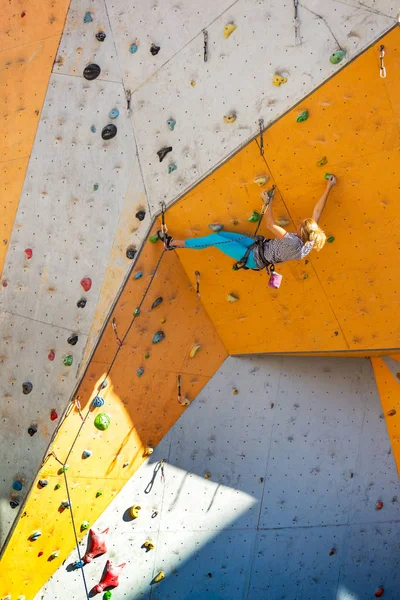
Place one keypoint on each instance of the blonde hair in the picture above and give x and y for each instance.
(310, 232)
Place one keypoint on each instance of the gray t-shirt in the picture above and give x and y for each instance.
(276, 251)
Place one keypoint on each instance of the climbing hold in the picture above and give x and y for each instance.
(99, 493)
(153, 239)
(391, 412)
(330, 239)
(130, 252)
(98, 401)
(136, 312)
(159, 336)
(337, 56)
(114, 113)
(278, 80)
(109, 131)
(28, 253)
(231, 118)
(40, 553)
(17, 485)
(303, 116)
(110, 577)
(148, 545)
(140, 372)
(141, 215)
(228, 29)
(171, 168)
(14, 503)
(194, 350)
(68, 360)
(107, 595)
(96, 187)
(86, 283)
(159, 577)
(73, 339)
(134, 511)
(379, 505)
(232, 298)
(193, 83)
(81, 303)
(138, 275)
(379, 592)
(102, 421)
(282, 222)
(154, 50)
(65, 504)
(207, 475)
(255, 217)
(42, 483)
(86, 453)
(100, 36)
(84, 525)
(91, 72)
(163, 320)
(133, 48)
(327, 176)
(35, 536)
(57, 486)
(88, 17)
(171, 124)
(93, 129)
(216, 227)
(54, 554)
(147, 355)
(261, 180)
(157, 302)
(163, 152)
(235, 391)
(27, 387)
(322, 162)
(148, 451)
(53, 414)
(63, 469)
(51, 355)
(78, 564)
(32, 430)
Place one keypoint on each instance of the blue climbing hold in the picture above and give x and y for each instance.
(78, 564)
(159, 336)
(140, 372)
(93, 129)
(138, 275)
(114, 113)
(133, 48)
(98, 401)
(88, 17)
(172, 168)
(17, 485)
(171, 124)
(86, 453)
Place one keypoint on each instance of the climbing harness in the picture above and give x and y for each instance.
(261, 126)
(297, 38)
(382, 69)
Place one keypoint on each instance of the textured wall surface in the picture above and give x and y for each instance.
(297, 461)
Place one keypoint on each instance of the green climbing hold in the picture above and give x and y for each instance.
(84, 525)
(171, 124)
(303, 116)
(68, 360)
(147, 355)
(107, 595)
(57, 486)
(153, 239)
(327, 176)
(63, 469)
(159, 336)
(96, 187)
(216, 227)
(337, 56)
(255, 217)
(322, 162)
(99, 493)
(136, 312)
(330, 239)
(172, 168)
(102, 421)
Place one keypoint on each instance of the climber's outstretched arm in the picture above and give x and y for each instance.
(319, 207)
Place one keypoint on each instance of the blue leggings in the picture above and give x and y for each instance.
(235, 249)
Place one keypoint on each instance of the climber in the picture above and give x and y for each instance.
(261, 252)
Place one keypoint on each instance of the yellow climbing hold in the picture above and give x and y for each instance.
(228, 29)
(232, 298)
(194, 350)
(261, 180)
(134, 511)
(278, 80)
(159, 577)
(231, 118)
(235, 391)
(148, 451)
(192, 83)
(148, 545)
(207, 475)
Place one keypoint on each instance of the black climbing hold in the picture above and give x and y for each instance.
(91, 72)
(81, 303)
(27, 387)
(14, 503)
(130, 252)
(43, 482)
(32, 430)
(156, 302)
(141, 215)
(109, 131)
(163, 153)
(154, 49)
(100, 36)
(72, 339)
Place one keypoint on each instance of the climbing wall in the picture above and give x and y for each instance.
(270, 492)
(344, 298)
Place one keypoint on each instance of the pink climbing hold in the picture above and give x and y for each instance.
(110, 577)
(53, 414)
(51, 355)
(86, 283)
(5, 284)
(97, 545)
(28, 253)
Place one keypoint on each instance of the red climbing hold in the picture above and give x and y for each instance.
(53, 415)
(110, 577)
(5, 284)
(379, 505)
(23, 14)
(28, 253)
(379, 592)
(40, 553)
(97, 545)
(86, 283)
(51, 355)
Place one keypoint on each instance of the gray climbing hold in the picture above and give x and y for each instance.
(171, 124)
(91, 72)
(140, 372)
(114, 113)
(32, 429)
(130, 252)
(98, 401)
(157, 302)
(35, 536)
(81, 303)
(109, 131)
(163, 152)
(43, 482)
(159, 336)
(86, 453)
(93, 129)
(27, 387)
(133, 48)
(88, 17)
(216, 227)
(172, 168)
(73, 339)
